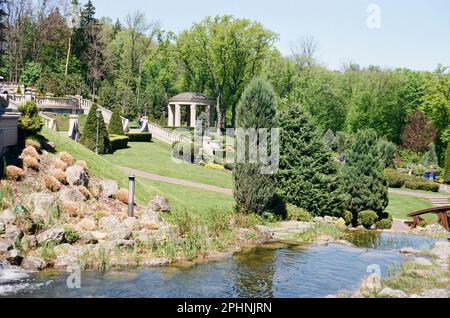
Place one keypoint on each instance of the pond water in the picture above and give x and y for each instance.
(269, 271)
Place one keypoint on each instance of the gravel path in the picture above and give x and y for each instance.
(181, 182)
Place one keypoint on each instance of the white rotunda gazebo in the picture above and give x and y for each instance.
(193, 101)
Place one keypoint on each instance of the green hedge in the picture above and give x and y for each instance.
(400, 180)
(395, 178)
(139, 137)
(367, 218)
(118, 142)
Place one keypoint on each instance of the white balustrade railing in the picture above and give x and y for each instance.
(49, 122)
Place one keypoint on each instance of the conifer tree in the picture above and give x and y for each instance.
(363, 176)
(254, 191)
(328, 139)
(89, 134)
(115, 125)
(307, 176)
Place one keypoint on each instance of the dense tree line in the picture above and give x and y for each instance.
(136, 66)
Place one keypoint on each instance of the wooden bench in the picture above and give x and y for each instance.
(441, 212)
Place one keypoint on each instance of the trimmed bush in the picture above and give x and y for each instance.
(122, 195)
(29, 152)
(115, 125)
(295, 213)
(139, 137)
(51, 183)
(33, 142)
(118, 142)
(347, 216)
(253, 190)
(395, 178)
(30, 123)
(14, 173)
(388, 151)
(89, 135)
(367, 218)
(31, 163)
(418, 183)
(384, 224)
(66, 158)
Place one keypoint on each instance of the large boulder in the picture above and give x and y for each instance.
(14, 257)
(109, 188)
(77, 176)
(132, 223)
(150, 220)
(392, 293)
(72, 195)
(2, 227)
(5, 245)
(7, 217)
(122, 233)
(159, 204)
(441, 250)
(13, 232)
(43, 204)
(33, 263)
(109, 223)
(55, 234)
(87, 224)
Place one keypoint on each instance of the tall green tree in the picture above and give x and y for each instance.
(363, 176)
(115, 125)
(307, 175)
(89, 134)
(220, 56)
(253, 190)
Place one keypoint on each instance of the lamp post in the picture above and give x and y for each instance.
(131, 185)
(98, 113)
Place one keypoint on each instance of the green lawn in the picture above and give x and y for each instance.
(180, 197)
(62, 121)
(400, 205)
(155, 157)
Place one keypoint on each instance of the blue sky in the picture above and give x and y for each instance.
(413, 34)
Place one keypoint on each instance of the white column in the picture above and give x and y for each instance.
(193, 114)
(177, 115)
(208, 115)
(170, 115)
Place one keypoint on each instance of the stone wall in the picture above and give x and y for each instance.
(9, 122)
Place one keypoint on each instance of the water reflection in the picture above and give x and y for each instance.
(271, 271)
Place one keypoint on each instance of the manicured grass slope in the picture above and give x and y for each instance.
(180, 197)
(400, 205)
(155, 157)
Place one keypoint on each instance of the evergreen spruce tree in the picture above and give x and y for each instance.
(115, 125)
(388, 151)
(89, 134)
(254, 191)
(328, 139)
(430, 157)
(307, 176)
(363, 176)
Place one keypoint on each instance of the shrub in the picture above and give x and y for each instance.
(30, 152)
(388, 151)
(30, 163)
(71, 235)
(419, 132)
(384, 224)
(347, 216)
(122, 195)
(395, 178)
(58, 164)
(430, 157)
(115, 125)
(363, 176)
(82, 164)
(216, 166)
(32, 142)
(70, 208)
(419, 183)
(30, 123)
(295, 213)
(14, 173)
(66, 158)
(85, 192)
(59, 175)
(89, 135)
(307, 176)
(118, 142)
(51, 183)
(139, 137)
(253, 191)
(367, 218)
